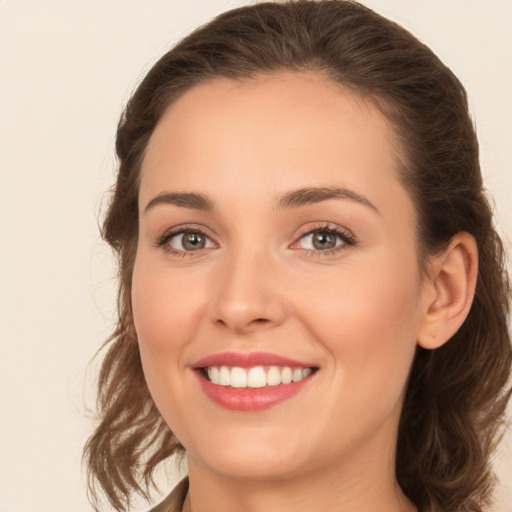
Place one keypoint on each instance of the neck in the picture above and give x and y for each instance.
(357, 487)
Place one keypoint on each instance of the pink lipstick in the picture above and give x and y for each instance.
(251, 381)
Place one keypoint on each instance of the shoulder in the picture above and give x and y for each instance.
(173, 502)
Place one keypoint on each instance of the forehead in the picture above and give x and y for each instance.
(282, 131)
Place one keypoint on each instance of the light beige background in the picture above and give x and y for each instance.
(66, 69)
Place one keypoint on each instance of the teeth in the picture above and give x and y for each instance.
(306, 372)
(255, 377)
(297, 374)
(224, 376)
(238, 378)
(286, 375)
(273, 376)
(213, 374)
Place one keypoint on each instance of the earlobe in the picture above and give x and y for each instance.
(449, 291)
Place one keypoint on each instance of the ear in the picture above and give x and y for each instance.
(448, 291)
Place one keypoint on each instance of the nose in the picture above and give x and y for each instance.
(248, 294)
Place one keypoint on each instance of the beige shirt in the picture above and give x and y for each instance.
(174, 502)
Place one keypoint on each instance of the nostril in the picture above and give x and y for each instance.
(241, 325)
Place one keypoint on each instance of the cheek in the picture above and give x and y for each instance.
(165, 311)
(368, 322)
(165, 317)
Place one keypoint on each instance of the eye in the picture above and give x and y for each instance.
(320, 241)
(180, 242)
(188, 241)
(324, 239)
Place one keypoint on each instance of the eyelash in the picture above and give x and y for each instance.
(346, 237)
(164, 240)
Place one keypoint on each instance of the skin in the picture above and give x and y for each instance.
(259, 285)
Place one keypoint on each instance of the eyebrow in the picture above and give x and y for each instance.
(312, 195)
(293, 199)
(184, 199)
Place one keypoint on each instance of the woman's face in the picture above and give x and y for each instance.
(276, 243)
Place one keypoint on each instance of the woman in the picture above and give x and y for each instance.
(313, 299)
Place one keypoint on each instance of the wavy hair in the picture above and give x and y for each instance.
(456, 396)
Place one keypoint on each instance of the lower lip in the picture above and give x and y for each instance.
(250, 399)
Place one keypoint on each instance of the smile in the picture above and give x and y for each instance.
(251, 381)
(255, 377)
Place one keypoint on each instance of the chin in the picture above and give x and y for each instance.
(249, 468)
(251, 459)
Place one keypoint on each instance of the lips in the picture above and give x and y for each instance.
(246, 360)
(251, 381)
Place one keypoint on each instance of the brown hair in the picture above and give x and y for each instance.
(457, 394)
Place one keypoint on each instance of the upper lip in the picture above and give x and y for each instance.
(249, 359)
